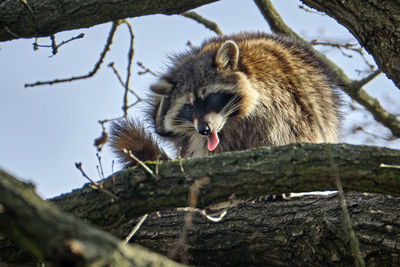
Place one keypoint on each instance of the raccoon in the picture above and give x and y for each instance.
(237, 92)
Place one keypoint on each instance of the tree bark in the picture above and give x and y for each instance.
(60, 239)
(304, 231)
(247, 174)
(39, 18)
(375, 24)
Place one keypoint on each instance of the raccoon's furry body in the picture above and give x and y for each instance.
(241, 91)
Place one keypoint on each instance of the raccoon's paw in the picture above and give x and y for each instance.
(130, 135)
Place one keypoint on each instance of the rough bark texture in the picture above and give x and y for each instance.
(26, 19)
(60, 239)
(247, 174)
(375, 24)
(305, 231)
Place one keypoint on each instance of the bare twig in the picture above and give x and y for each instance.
(125, 106)
(347, 46)
(200, 19)
(141, 163)
(189, 44)
(383, 165)
(145, 70)
(212, 218)
(95, 68)
(358, 84)
(100, 166)
(136, 228)
(54, 45)
(309, 10)
(10, 32)
(28, 6)
(95, 185)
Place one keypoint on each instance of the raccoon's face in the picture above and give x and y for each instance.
(201, 94)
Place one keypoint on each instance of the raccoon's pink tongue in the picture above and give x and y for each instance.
(212, 141)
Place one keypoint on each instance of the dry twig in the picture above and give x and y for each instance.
(95, 185)
(54, 45)
(136, 228)
(141, 163)
(200, 19)
(95, 68)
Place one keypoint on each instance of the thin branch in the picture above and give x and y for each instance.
(95, 185)
(350, 87)
(141, 163)
(111, 65)
(383, 165)
(136, 228)
(10, 32)
(56, 46)
(309, 10)
(358, 84)
(145, 70)
(347, 46)
(125, 106)
(220, 216)
(275, 21)
(205, 22)
(95, 68)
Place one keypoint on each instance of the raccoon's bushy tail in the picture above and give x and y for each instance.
(131, 136)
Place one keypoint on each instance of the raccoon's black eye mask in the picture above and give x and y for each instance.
(214, 102)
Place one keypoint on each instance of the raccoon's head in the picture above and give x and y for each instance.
(202, 92)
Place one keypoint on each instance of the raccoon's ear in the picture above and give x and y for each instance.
(162, 87)
(228, 55)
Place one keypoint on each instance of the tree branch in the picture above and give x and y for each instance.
(247, 174)
(60, 239)
(212, 26)
(48, 17)
(300, 231)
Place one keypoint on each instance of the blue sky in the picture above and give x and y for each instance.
(46, 129)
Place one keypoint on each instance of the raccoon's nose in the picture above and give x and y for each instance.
(203, 129)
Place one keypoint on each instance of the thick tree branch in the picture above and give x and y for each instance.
(38, 18)
(304, 231)
(60, 239)
(247, 174)
(352, 88)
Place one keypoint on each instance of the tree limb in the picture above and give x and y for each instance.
(300, 231)
(247, 174)
(42, 18)
(60, 239)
